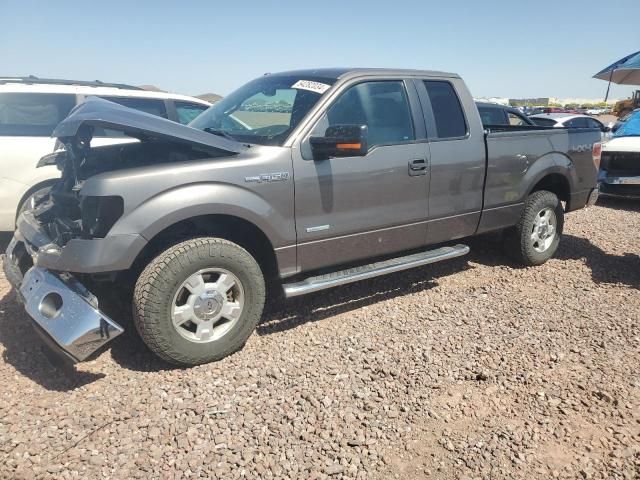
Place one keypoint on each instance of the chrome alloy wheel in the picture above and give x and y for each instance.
(544, 229)
(207, 305)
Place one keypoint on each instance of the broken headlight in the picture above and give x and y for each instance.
(99, 214)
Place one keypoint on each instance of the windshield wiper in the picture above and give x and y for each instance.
(220, 133)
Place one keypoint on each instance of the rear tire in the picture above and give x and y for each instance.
(198, 301)
(536, 237)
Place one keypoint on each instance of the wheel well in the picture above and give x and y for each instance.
(231, 228)
(32, 190)
(555, 183)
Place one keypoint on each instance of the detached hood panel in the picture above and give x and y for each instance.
(134, 123)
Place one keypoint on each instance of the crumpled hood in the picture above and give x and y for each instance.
(134, 123)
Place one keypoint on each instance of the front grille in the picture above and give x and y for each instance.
(621, 162)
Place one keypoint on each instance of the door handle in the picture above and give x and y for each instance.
(417, 166)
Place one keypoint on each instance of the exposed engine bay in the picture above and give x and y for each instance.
(65, 213)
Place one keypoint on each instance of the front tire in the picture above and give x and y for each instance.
(536, 237)
(198, 301)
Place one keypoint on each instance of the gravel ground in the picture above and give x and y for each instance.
(468, 369)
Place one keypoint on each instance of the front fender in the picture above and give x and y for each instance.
(208, 198)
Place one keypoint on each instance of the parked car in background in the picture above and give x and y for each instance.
(31, 107)
(620, 166)
(594, 111)
(553, 110)
(496, 114)
(534, 111)
(367, 173)
(568, 120)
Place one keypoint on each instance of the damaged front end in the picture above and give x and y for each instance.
(63, 212)
(141, 139)
(64, 238)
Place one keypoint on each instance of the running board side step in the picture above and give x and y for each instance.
(342, 277)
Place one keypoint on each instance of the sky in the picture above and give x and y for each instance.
(514, 49)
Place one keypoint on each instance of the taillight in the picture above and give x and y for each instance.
(596, 153)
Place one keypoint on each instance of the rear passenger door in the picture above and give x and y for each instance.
(350, 208)
(456, 143)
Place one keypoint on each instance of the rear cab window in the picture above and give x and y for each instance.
(448, 115)
(33, 114)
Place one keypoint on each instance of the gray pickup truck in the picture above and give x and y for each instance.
(301, 181)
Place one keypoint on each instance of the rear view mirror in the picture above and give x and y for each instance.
(340, 141)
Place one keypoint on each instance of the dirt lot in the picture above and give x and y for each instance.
(469, 369)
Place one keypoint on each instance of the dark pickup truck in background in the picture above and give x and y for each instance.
(493, 114)
(301, 180)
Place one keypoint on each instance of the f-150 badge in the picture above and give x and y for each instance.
(268, 177)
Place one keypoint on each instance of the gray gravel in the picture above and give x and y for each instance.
(465, 370)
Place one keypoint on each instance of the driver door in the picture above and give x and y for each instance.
(350, 208)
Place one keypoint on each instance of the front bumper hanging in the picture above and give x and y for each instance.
(60, 306)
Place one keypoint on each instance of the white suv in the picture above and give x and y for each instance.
(30, 108)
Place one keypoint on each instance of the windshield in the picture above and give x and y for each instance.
(264, 111)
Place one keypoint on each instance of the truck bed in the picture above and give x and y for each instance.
(519, 157)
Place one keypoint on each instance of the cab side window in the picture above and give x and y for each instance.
(449, 117)
(382, 106)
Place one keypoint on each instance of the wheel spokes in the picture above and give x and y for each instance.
(225, 283)
(551, 230)
(204, 331)
(195, 284)
(231, 310)
(182, 314)
(535, 237)
(546, 214)
(205, 309)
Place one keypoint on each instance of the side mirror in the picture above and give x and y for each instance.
(606, 128)
(340, 141)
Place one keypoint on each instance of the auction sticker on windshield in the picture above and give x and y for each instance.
(311, 86)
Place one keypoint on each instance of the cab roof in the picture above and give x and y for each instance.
(344, 73)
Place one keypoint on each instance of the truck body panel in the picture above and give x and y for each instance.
(429, 176)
